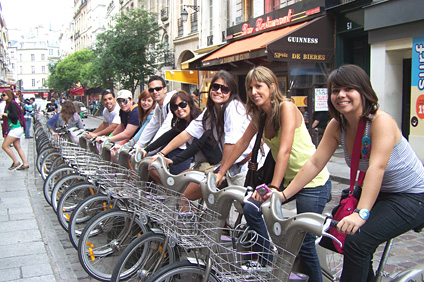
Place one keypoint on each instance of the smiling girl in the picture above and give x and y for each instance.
(291, 146)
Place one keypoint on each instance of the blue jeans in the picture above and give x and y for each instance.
(177, 169)
(392, 215)
(307, 200)
(28, 121)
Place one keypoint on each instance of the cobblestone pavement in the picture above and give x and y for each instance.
(34, 247)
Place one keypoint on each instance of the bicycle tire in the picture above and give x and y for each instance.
(62, 185)
(70, 199)
(182, 271)
(53, 177)
(47, 163)
(83, 213)
(100, 247)
(41, 156)
(139, 258)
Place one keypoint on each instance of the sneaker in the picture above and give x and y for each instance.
(254, 266)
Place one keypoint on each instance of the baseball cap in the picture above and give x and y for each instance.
(124, 94)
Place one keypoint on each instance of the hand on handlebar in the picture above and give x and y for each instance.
(101, 139)
(220, 177)
(90, 135)
(350, 224)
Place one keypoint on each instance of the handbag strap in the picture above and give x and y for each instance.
(254, 158)
(354, 163)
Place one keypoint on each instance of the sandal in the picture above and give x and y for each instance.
(14, 165)
(23, 167)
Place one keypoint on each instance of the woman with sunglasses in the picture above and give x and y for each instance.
(67, 116)
(291, 146)
(225, 120)
(183, 111)
(13, 129)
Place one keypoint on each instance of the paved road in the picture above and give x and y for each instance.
(33, 246)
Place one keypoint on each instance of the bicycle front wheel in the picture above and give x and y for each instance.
(83, 213)
(140, 258)
(70, 199)
(182, 271)
(105, 238)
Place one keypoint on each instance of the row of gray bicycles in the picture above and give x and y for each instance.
(127, 228)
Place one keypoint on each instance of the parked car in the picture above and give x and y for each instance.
(84, 110)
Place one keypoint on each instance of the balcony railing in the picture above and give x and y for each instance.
(194, 23)
(180, 27)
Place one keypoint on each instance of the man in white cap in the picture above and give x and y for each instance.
(129, 118)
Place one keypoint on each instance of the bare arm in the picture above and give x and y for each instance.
(317, 162)
(179, 140)
(105, 131)
(126, 134)
(232, 152)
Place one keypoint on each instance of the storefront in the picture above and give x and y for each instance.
(396, 37)
(296, 42)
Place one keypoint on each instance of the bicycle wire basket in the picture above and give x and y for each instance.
(184, 220)
(231, 255)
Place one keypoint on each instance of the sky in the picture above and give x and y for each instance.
(27, 14)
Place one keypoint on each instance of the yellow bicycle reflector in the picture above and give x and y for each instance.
(90, 244)
(91, 191)
(90, 251)
(67, 216)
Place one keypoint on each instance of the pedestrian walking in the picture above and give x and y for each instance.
(13, 129)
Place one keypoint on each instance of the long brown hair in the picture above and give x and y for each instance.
(211, 117)
(142, 114)
(267, 76)
(354, 77)
(10, 95)
(67, 111)
(181, 124)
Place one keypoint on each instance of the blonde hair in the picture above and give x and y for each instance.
(267, 76)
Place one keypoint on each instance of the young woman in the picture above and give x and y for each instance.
(13, 123)
(183, 112)
(291, 146)
(146, 105)
(225, 120)
(67, 116)
(392, 196)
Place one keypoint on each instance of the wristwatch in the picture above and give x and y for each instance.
(363, 213)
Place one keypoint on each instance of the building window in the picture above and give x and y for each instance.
(33, 82)
(12, 54)
(13, 65)
(20, 57)
(43, 69)
(32, 57)
(51, 52)
(32, 69)
(20, 70)
(42, 81)
(43, 57)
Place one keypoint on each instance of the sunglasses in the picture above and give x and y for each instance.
(224, 89)
(124, 101)
(182, 105)
(151, 90)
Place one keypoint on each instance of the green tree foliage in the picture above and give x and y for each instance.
(71, 70)
(130, 51)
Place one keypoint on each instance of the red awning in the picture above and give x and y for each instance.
(77, 91)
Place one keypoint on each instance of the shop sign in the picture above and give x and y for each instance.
(321, 98)
(417, 87)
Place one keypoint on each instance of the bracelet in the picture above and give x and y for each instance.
(161, 154)
(285, 198)
(111, 135)
(273, 186)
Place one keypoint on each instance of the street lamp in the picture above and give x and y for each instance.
(184, 13)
